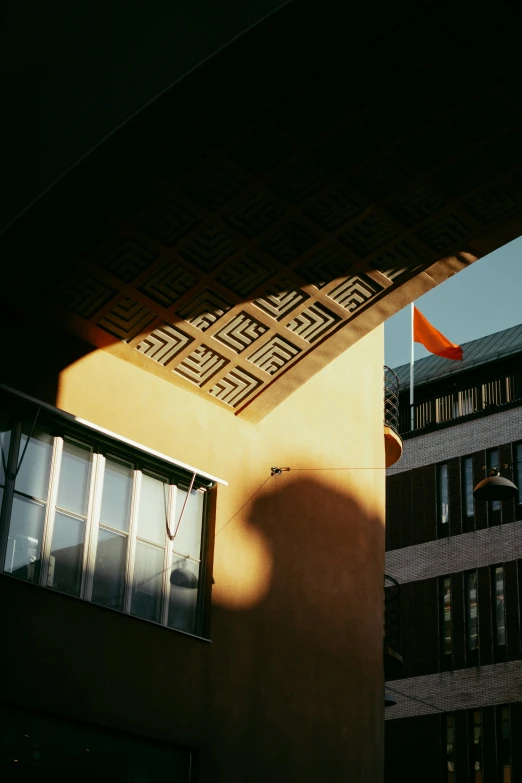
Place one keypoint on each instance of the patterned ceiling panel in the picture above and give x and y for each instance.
(251, 215)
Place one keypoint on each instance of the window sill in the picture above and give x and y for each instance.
(99, 607)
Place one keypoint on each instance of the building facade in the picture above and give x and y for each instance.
(202, 235)
(458, 560)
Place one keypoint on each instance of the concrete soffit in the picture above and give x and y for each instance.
(252, 224)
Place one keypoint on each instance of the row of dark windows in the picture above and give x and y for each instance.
(468, 484)
(478, 745)
(467, 619)
(471, 616)
(436, 501)
(473, 735)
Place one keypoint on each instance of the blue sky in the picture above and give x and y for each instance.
(478, 301)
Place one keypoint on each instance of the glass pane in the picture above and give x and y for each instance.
(505, 742)
(472, 611)
(188, 537)
(25, 539)
(476, 750)
(109, 570)
(148, 577)
(443, 495)
(447, 616)
(5, 440)
(75, 473)
(519, 472)
(65, 564)
(33, 476)
(152, 515)
(500, 610)
(450, 746)
(116, 496)
(469, 508)
(183, 598)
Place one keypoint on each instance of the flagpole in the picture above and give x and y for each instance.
(412, 359)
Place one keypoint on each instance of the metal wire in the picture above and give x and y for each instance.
(27, 441)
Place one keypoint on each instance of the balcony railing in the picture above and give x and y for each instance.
(391, 399)
(489, 396)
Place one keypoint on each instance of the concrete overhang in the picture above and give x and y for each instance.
(273, 207)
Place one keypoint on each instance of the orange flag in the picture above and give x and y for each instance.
(432, 339)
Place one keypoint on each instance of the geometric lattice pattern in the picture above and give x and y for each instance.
(235, 387)
(229, 233)
(353, 292)
(240, 332)
(169, 283)
(204, 310)
(245, 274)
(126, 319)
(127, 260)
(84, 297)
(281, 299)
(201, 365)
(313, 322)
(273, 355)
(164, 343)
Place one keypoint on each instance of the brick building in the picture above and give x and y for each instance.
(459, 565)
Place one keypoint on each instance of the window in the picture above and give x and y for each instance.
(450, 748)
(446, 615)
(443, 495)
(500, 607)
(504, 744)
(97, 520)
(493, 462)
(518, 471)
(476, 750)
(472, 610)
(467, 490)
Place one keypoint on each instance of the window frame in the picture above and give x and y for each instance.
(446, 656)
(442, 470)
(517, 474)
(472, 652)
(494, 506)
(449, 753)
(467, 481)
(504, 743)
(500, 647)
(101, 448)
(476, 748)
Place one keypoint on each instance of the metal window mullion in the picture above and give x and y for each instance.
(131, 545)
(92, 524)
(167, 567)
(52, 494)
(10, 478)
(201, 607)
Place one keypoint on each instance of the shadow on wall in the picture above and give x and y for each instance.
(290, 689)
(34, 353)
(297, 678)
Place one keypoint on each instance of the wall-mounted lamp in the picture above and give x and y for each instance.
(495, 487)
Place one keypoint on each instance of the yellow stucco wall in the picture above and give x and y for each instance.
(291, 687)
